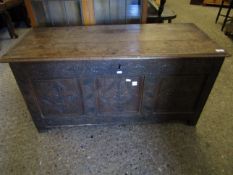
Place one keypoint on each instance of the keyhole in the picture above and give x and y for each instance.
(119, 71)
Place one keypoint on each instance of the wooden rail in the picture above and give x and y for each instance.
(30, 12)
(87, 7)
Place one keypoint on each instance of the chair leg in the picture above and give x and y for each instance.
(161, 7)
(10, 26)
(227, 15)
(219, 12)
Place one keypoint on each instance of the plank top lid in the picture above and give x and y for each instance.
(147, 41)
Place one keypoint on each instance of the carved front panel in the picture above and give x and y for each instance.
(92, 92)
(172, 94)
(61, 96)
(119, 94)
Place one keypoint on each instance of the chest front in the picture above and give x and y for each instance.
(117, 91)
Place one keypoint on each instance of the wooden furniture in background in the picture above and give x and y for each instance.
(5, 5)
(86, 12)
(30, 12)
(115, 73)
(157, 13)
(227, 15)
(55, 12)
(229, 28)
(144, 12)
(87, 7)
(214, 2)
(196, 2)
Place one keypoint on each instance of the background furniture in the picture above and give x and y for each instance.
(213, 2)
(196, 2)
(6, 19)
(158, 14)
(12, 12)
(227, 17)
(115, 73)
(91, 12)
(229, 28)
(86, 12)
(5, 5)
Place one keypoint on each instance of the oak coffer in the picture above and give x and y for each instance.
(115, 73)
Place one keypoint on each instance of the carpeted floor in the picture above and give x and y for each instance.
(126, 149)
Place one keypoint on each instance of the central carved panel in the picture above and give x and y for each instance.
(119, 94)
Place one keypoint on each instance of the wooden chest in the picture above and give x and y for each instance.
(115, 74)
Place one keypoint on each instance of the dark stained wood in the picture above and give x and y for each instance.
(118, 96)
(174, 93)
(58, 96)
(114, 42)
(105, 83)
(196, 2)
(91, 92)
(6, 18)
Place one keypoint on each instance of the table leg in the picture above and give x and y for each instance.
(219, 12)
(10, 26)
(227, 15)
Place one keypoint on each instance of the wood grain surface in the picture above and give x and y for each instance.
(147, 41)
